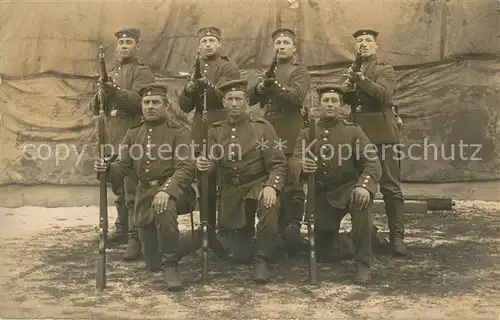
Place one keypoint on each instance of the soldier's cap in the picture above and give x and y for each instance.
(284, 32)
(128, 33)
(209, 31)
(234, 85)
(362, 32)
(330, 87)
(153, 89)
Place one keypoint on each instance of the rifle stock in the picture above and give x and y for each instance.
(103, 194)
(311, 203)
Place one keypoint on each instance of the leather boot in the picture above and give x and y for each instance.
(133, 251)
(293, 240)
(395, 217)
(398, 247)
(262, 272)
(173, 277)
(363, 274)
(119, 236)
(324, 246)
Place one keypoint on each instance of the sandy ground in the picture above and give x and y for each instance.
(48, 266)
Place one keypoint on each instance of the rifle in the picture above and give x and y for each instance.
(311, 205)
(351, 95)
(270, 74)
(204, 175)
(103, 191)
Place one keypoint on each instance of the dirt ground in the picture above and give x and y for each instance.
(48, 267)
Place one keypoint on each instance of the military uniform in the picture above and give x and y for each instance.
(345, 161)
(128, 77)
(371, 109)
(282, 103)
(217, 70)
(245, 167)
(158, 154)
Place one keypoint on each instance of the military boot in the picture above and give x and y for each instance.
(362, 273)
(120, 236)
(324, 246)
(293, 240)
(262, 272)
(173, 277)
(133, 251)
(395, 217)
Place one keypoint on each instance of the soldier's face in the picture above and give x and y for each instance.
(330, 105)
(127, 47)
(285, 46)
(210, 46)
(154, 108)
(367, 44)
(235, 102)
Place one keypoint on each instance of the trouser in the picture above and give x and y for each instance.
(160, 239)
(390, 187)
(327, 225)
(292, 200)
(239, 244)
(125, 191)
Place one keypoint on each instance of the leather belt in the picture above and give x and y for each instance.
(152, 183)
(238, 180)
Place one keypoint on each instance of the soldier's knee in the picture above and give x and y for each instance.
(167, 220)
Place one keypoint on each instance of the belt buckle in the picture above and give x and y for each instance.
(114, 112)
(235, 180)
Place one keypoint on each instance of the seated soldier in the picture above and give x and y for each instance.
(252, 174)
(347, 172)
(157, 151)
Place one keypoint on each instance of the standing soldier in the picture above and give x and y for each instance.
(282, 97)
(124, 103)
(252, 175)
(215, 70)
(347, 171)
(371, 109)
(157, 152)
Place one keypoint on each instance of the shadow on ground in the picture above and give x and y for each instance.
(453, 253)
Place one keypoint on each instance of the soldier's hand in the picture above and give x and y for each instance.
(160, 202)
(360, 198)
(202, 164)
(309, 165)
(268, 195)
(261, 87)
(107, 87)
(101, 165)
(190, 87)
(355, 77)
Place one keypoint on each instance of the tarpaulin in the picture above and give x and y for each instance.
(445, 52)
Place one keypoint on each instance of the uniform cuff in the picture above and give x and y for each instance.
(368, 182)
(276, 182)
(171, 188)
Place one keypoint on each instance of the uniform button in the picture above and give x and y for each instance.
(148, 162)
(150, 130)
(367, 176)
(149, 137)
(233, 129)
(234, 160)
(366, 180)
(206, 64)
(363, 185)
(325, 139)
(119, 68)
(147, 170)
(326, 131)
(205, 71)
(277, 177)
(233, 137)
(114, 80)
